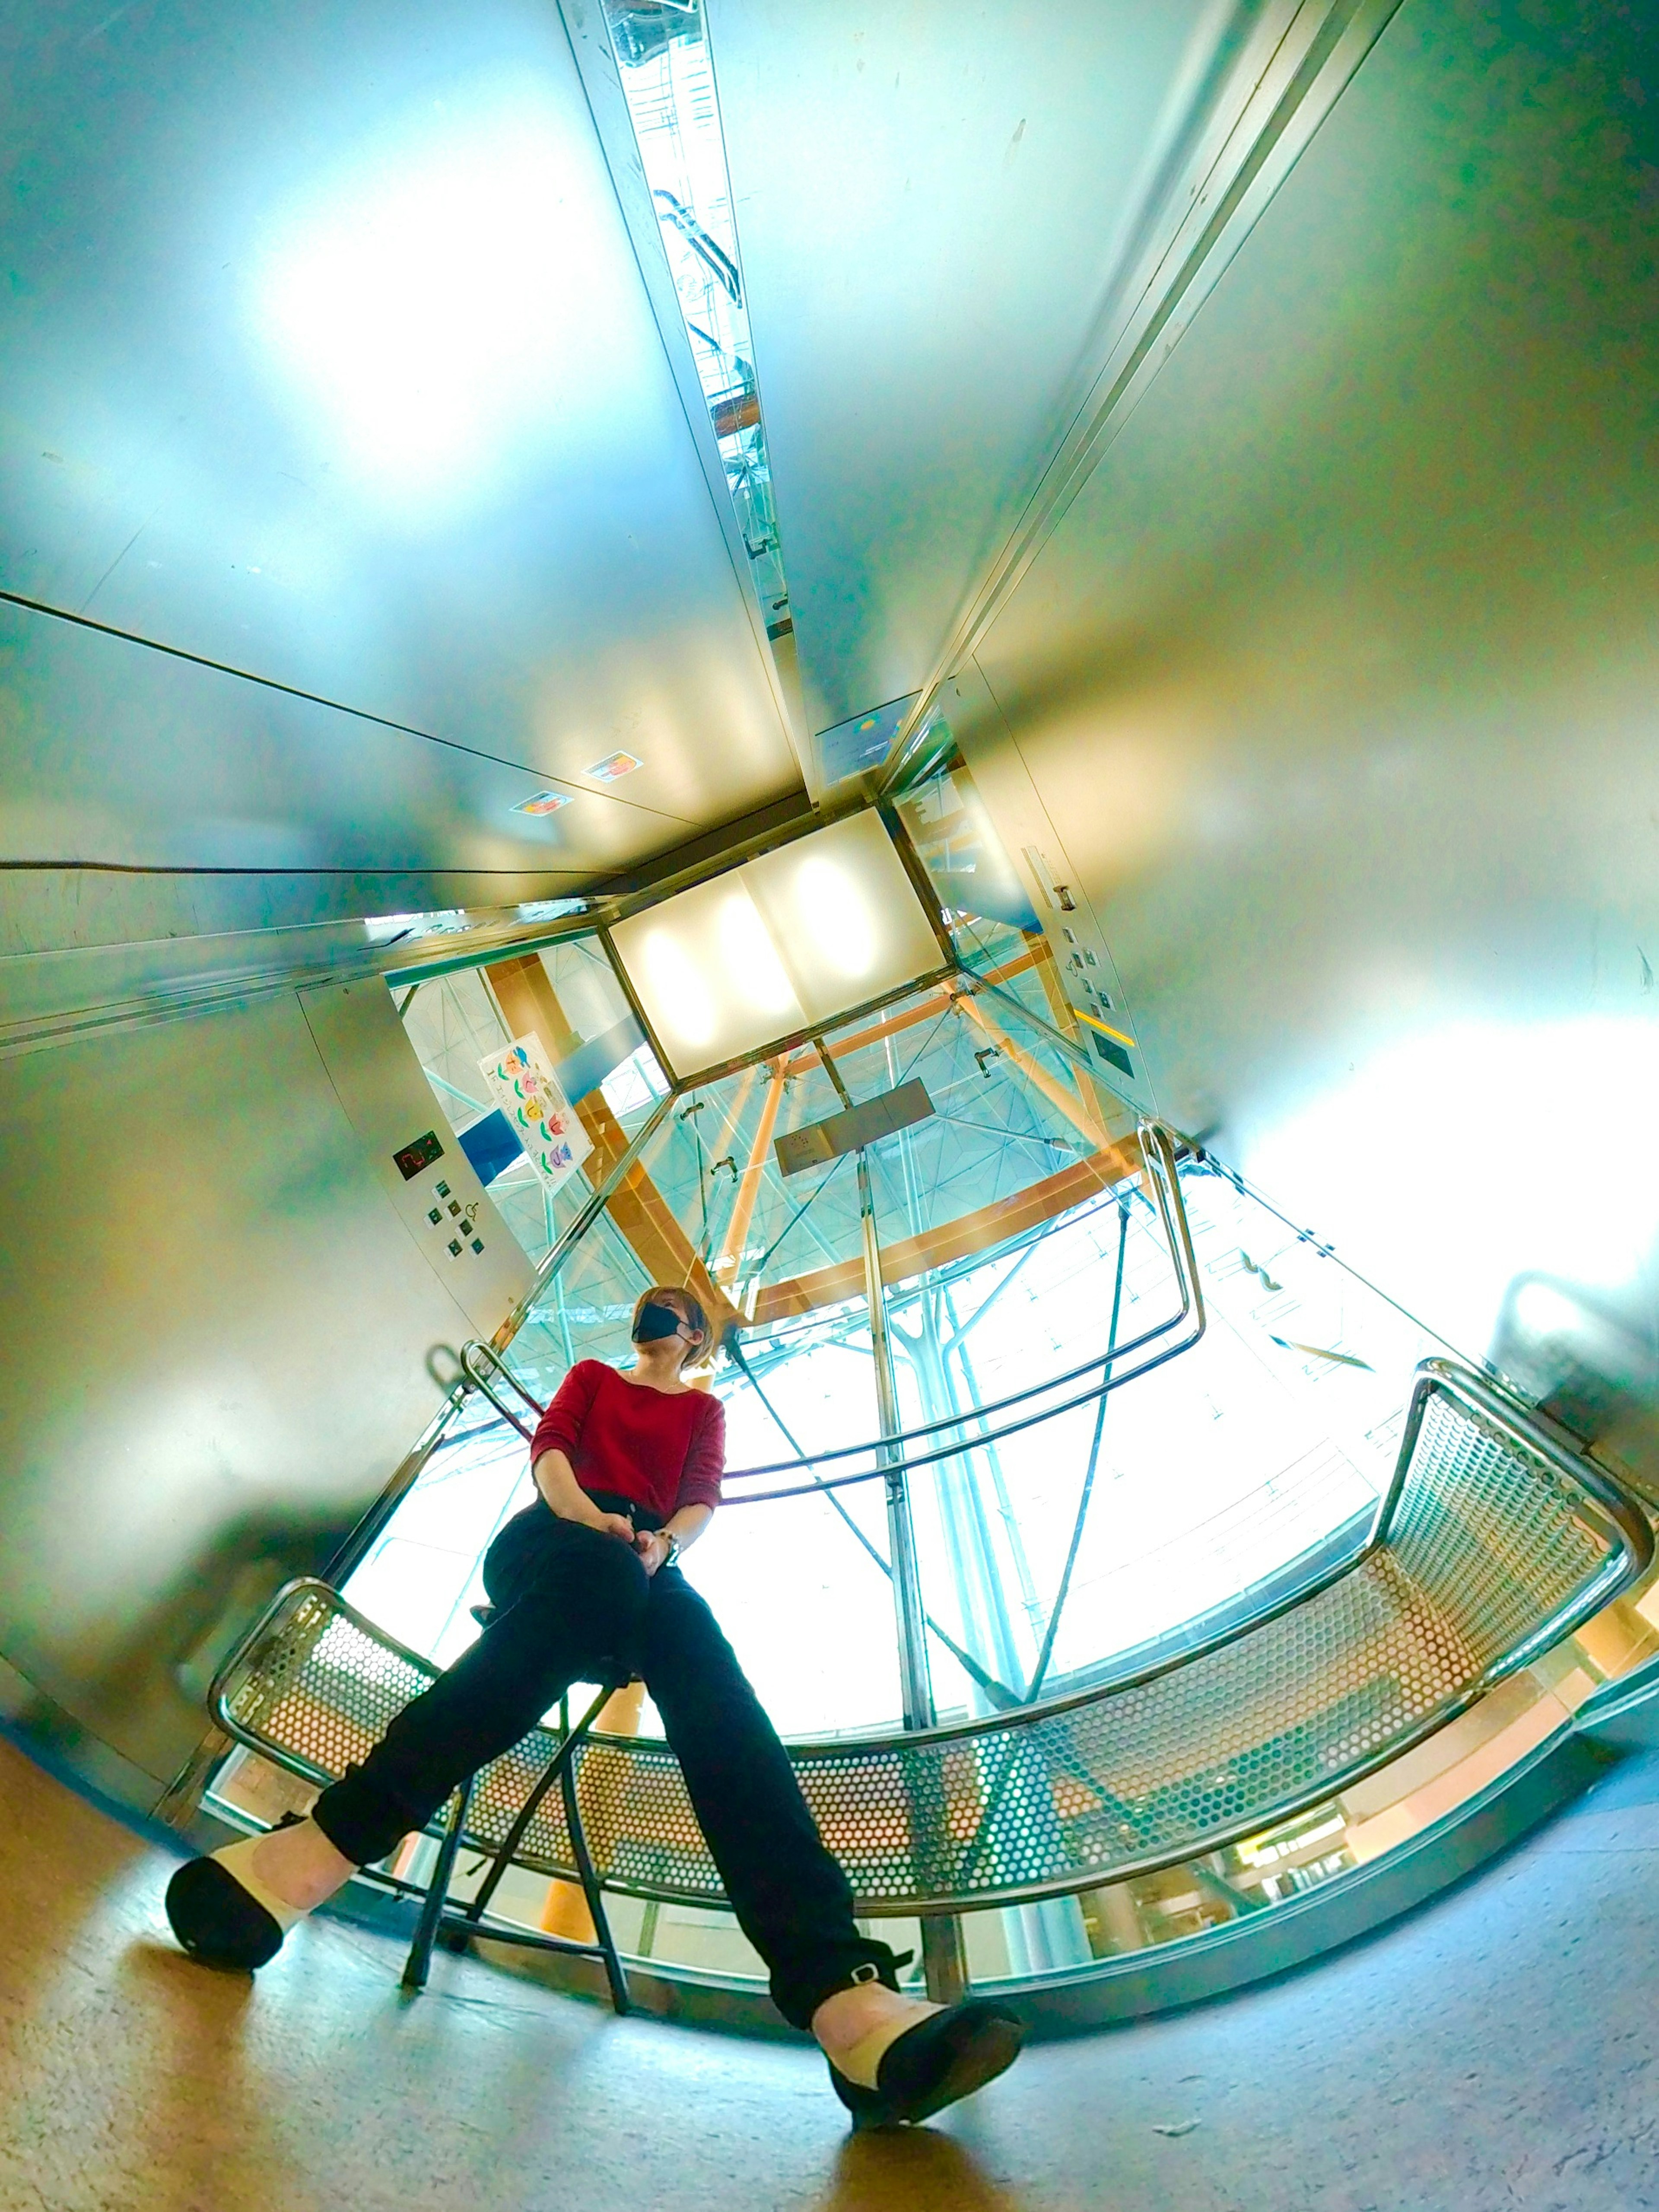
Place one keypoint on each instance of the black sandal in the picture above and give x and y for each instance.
(218, 1922)
(942, 2058)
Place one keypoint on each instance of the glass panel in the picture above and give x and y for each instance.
(1218, 1483)
(1222, 1480)
(667, 77)
(985, 902)
(453, 1022)
(599, 1055)
(799, 1583)
(422, 1573)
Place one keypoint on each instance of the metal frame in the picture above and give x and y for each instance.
(775, 1046)
(594, 1206)
(916, 875)
(1156, 1142)
(436, 1918)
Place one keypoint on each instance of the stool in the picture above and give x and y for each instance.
(439, 1922)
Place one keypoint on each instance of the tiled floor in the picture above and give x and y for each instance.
(1498, 2050)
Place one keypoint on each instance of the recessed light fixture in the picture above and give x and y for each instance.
(543, 802)
(612, 766)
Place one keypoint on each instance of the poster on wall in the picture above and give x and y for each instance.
(523, 1084)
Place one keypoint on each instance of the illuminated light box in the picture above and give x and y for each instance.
(783, 944)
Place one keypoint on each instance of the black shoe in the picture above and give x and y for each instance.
(947, 2055)
(217, 1921)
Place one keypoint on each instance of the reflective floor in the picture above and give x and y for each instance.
(1497, 2050)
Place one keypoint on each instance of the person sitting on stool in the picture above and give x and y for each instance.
(586, 1587)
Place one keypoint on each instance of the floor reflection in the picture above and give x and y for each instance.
(919, 2168)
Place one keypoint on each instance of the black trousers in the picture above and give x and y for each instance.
(574, 1605)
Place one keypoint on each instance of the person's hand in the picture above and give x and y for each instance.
(652, 1547)
(615, 1524)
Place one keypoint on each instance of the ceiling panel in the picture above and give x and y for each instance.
(931, 202)
(118, 755)
(326, 357)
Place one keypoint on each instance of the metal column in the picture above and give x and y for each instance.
(943, 1956)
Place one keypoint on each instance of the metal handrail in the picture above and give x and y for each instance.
(1158, 1146)
(1157, 1142)
(1531, 1430)
(1621, 1517)
(1618, 1518)
(481, 1383)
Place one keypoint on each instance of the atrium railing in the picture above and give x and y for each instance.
(1497, 1538)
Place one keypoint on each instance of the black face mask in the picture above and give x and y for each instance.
(656, 1321)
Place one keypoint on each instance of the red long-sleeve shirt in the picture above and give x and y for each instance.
(662, 1450)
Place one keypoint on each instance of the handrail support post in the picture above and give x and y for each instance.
(943, 1954)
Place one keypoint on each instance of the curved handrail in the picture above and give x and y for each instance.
(481, 1382)
(1157, 1146)
(1172, 1212)
(1588, 1495)
(1624, 1523)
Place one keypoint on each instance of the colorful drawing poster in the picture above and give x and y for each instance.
(523, 1084)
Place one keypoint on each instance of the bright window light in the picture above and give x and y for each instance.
(779, 946)
(637, 1082)
(390, 928)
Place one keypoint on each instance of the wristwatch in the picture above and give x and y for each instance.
(673, 1544)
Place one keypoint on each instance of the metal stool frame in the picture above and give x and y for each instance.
(438, 1920)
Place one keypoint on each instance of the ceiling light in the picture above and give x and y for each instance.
(839, 918)
(543, 802)
(392, 928)
(777, 946)
(674, 982)
(751, 958)
(552, 909)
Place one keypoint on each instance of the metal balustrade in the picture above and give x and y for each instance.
(1497, 1538)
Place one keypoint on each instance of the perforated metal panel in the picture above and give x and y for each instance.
(1489, 1550)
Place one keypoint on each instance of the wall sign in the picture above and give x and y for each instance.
(523, 1084)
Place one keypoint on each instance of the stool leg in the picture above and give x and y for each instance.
(515, 1835)
(418, 1964)
(613, 1965)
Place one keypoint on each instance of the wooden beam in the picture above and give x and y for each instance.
(530, 1007)
(743, 1205)
(977, 1231)
(1078, 1110)
(925, 1010)
(1063, 1015)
